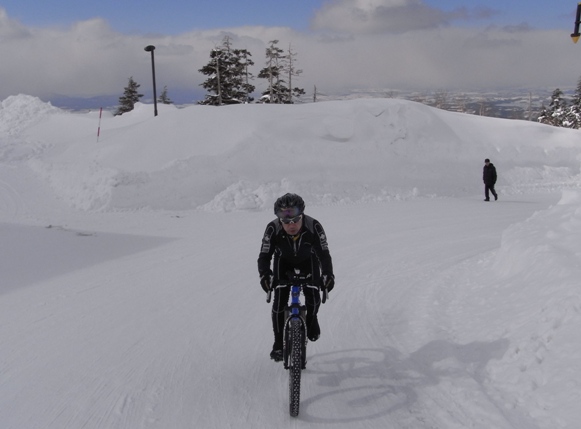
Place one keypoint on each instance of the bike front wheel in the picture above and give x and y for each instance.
(295, 361)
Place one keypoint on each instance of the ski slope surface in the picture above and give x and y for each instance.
(130, 297)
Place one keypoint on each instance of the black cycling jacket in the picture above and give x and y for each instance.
(308, 251)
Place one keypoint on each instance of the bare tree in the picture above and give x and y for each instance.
(278, 67)
(484, 107)
(461, 102)
(292, 71)
(441, 99)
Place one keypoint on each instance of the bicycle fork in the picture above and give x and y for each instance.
(295, 311)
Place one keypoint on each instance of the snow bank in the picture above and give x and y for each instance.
(240, 157)
(21, 111)
(539, 269)
(531, 296)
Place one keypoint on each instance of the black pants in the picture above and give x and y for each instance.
(487, 188)
(281, 297)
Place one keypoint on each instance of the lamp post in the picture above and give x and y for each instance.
(575, 36)
(151, 48)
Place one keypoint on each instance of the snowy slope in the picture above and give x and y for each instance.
(129, 294)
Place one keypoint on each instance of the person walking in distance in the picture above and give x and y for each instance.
(489, 178)
(294, 241)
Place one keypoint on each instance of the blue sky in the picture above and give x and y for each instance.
(543, 14)
(167, 16)
(177, 16)
(83, 48)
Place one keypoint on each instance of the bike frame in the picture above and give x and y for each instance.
(295, 311)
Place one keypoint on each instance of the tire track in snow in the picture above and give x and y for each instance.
(399, 297)
(11, 202)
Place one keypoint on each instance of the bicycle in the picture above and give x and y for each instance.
(294, 349)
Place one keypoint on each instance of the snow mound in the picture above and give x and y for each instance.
(245, 196)
(83, 186)
(21, 111)
(241, 157)
(520, 256)
(536, 299)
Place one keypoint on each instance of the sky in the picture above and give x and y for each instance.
(175, 17)
(90, 49)
(130, 295)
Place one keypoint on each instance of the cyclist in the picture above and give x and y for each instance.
(296, 241)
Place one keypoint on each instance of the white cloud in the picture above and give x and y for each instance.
(10, 29)
(91, 59)
(378, 16)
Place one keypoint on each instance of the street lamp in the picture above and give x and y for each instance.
(151, 48)
(575, 36)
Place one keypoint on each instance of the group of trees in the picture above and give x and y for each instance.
(230, 81)
(228, 76)
(563, 113)
(131, 96)
(280, 66)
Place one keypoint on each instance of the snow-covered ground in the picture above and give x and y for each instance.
(129, 296)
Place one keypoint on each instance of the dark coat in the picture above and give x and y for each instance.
(308, 252)
(489, 174)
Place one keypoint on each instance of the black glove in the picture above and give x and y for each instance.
(266, 281)
(328, 282)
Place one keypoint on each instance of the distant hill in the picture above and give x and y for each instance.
(518, 103)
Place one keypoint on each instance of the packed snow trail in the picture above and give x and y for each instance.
(173, 331)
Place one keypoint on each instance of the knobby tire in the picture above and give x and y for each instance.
(295, 365)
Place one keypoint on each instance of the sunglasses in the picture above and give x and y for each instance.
(288, 212)
(287, 220)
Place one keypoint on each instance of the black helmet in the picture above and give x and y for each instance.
(289, 201)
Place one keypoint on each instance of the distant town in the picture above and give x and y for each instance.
(522, 104)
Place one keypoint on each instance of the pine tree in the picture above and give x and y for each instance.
(243, 76)
(573, 115)
(276, 91)
(279, 91)
(163, 97)
(129, 98)
(543, 115)
(228, 76)
(555, 114)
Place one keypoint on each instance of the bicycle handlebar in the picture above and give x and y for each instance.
(295, 283)
(297, 280)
